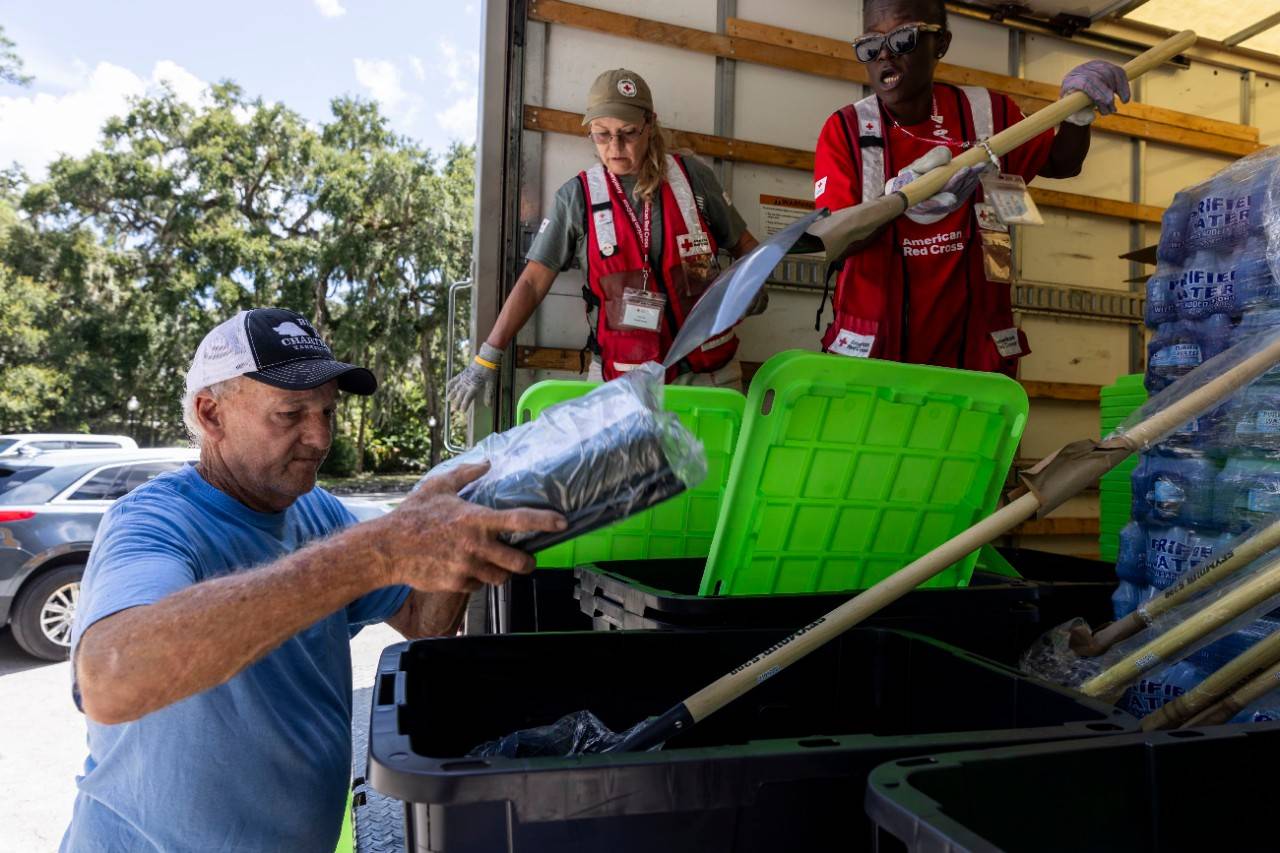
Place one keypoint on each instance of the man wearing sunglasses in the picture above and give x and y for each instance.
(916, 291)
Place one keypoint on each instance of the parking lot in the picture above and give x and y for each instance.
(42, 740)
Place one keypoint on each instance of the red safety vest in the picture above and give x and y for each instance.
(687, 262)
(872, 301)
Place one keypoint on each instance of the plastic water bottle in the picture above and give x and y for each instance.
(1131, 559)
(1222, 651)
(1172, 552)
(1173, 352)
(1221, 217)
(1204, 223)
(1207, 285)
(1247, 492)
(1125, 599)
(1173, 230)
(1255, 286)
(1152, 693)
(1180, 490)
(1162, 288)
(1178, 348)
(1139, 485)
(1168, 555)
(1251, 423)
(1254, 322)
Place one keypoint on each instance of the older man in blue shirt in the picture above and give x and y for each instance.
(211, 648)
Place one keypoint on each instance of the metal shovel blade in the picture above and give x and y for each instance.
(726, 301)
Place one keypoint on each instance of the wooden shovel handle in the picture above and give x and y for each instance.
(1033, 125)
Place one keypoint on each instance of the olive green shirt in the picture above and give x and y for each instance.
(561, 241)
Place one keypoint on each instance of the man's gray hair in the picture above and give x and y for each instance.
(217, 391)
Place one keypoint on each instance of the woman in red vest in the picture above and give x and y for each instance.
(916, 291)
(645, 227)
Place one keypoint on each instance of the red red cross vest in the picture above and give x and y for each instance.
(687, 269)
(871, 301)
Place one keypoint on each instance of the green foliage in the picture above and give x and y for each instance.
(11, 63)
(341, 461)
(113, 268)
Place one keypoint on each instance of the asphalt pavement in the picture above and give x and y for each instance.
(42, 739)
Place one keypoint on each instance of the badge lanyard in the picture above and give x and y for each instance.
(645, 230)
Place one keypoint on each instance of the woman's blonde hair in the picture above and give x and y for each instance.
(653, 168)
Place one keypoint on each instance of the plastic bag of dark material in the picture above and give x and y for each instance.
(596, 459)
(579, 733)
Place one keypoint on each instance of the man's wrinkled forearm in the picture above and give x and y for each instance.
(145, 658)
(430, 614)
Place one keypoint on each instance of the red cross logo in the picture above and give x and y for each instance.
(686, 245)
(870, 126)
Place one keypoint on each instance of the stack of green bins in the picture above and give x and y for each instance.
(1118, 401)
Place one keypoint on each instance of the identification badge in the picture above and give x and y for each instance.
(1008, 196)
(987, 218)
(852, 344)
(1007, 342)
(641, 310)
(694, 243)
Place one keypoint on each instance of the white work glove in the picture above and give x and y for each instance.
(1103, 82)
(476, 380)
(960, 186)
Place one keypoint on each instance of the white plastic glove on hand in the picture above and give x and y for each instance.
(1103, 82)
(476, 380)
(958, 188)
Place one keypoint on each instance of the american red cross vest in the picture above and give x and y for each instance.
(614, 248)
(871, 300)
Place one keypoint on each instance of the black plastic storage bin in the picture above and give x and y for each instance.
(545, 600)
(783, 768)
(995, 616)
(1066, 586)
(1184, 790)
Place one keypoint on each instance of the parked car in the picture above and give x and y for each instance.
(50, 508)
(15, 444)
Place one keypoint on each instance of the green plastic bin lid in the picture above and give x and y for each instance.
(680, 527)
(1130, 383)
(850, 468)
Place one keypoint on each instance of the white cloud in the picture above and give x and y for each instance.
(462, 68)
(461, 118)
(187, 86)
(330, 8)
(382, 79)
(36, 128)
(419, 70)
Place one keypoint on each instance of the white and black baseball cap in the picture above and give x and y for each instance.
(275, 346)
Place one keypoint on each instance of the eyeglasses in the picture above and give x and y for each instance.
(902, 40)
(626, 137)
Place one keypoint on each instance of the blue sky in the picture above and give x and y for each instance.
(419, 60)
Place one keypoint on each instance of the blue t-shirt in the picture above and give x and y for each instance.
(262, 762)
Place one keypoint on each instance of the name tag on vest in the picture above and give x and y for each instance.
(1007, 342)
(695, 243)
(852, 344)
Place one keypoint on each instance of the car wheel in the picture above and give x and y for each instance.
(42, 614)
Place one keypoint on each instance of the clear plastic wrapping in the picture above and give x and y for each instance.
(596, 459)
(579, 733)
(1218, 266)
(1052, 658)
(1191, 377)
